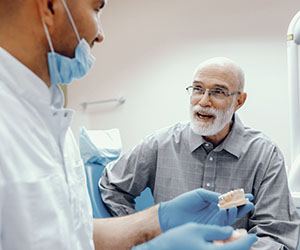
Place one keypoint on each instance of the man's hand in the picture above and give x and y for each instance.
(193, 236)
(200, 206)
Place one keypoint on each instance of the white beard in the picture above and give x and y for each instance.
(222, 118)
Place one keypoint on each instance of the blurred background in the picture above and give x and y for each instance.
(152, 48)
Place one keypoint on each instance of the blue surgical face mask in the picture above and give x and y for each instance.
(63, 69)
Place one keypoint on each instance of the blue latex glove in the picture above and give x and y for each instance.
(197, 237)
(200, 206)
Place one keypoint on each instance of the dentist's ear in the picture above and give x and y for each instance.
(48, 9)
(240, 100)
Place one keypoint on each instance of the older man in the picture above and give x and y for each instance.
(214, 151)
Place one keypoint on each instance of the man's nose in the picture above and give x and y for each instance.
(205, 100)
(100, 33)
(99, 38)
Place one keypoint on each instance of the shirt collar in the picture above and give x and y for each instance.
(57, 97)
(232, 143)
(195, 140)
(235, 139)
(22, 81)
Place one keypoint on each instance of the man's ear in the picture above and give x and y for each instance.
(47, 10)
(240, 100)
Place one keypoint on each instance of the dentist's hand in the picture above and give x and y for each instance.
(197, 237)
(200, 206)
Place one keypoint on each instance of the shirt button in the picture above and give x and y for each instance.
(208, 184)
(211, 159)
(206, 145)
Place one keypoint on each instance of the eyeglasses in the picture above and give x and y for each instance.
(215, 93)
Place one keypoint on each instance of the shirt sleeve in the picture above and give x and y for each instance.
(125, 179)
(275, 220)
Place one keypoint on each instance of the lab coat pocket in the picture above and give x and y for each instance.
(37, 213)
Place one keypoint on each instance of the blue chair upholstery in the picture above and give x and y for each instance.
(93, 174)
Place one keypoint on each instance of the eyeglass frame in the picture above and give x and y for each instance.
(209, 92)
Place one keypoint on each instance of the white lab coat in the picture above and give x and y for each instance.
(44, 202)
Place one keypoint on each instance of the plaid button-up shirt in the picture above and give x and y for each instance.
(176, 160)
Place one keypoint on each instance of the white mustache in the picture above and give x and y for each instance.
(207, 111)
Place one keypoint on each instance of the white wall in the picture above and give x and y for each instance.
(152, 48)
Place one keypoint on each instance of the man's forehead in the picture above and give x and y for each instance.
(212, 69)
(216, 75)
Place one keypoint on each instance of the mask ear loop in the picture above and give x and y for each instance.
(48, 36)
(51, 47)
(71, 19)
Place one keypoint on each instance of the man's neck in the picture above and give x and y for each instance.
(219, 137)
(28, 49)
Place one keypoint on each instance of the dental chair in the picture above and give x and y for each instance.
(97, 149)
(93, 174)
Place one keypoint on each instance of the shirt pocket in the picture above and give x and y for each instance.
(175, 179)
